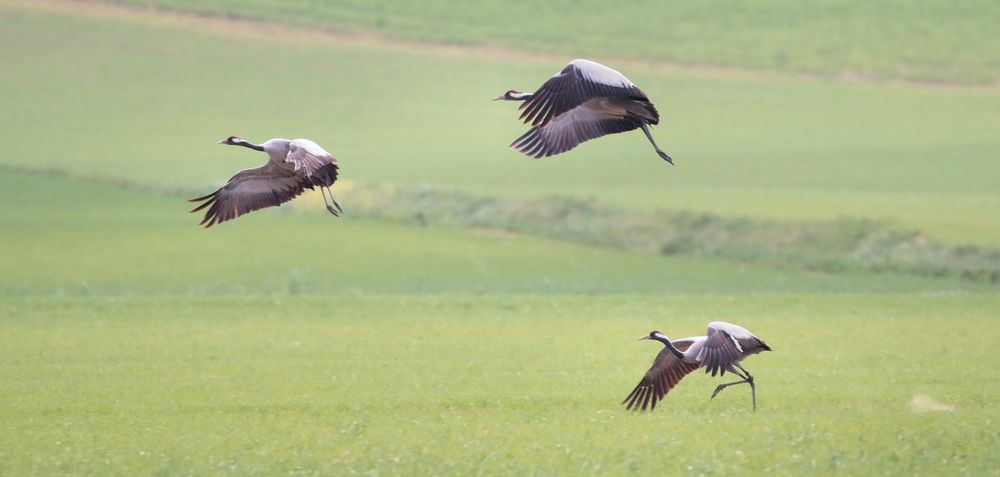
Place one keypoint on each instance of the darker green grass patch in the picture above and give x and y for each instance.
(828, 246)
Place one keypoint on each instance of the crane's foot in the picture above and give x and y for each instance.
(332, 211)
(665, 157)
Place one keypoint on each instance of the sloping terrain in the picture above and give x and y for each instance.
(768, 147)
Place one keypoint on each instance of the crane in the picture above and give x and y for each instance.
(586, 100)
(292, 167)
(720, 350)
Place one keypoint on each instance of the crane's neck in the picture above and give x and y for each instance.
(251, 145)
(673, 349)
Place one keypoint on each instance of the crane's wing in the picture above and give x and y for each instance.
(747, 341)
(578, 82)
(307, 156)
(568, 130)
(250, 190)
(666, 372)
(722, 348)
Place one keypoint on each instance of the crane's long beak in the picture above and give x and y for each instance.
(643, 337)
(498, 98)
(222, 141)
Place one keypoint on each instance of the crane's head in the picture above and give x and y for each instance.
(232, 141)
(513, 95)
(655, 335)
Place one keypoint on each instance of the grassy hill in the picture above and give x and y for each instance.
(770, 147)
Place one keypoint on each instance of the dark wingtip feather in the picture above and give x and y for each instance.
(199, 199)
(634, 398)
(202, 206)
(208, 200)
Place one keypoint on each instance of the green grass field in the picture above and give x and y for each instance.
(400, 342)
(513, 385)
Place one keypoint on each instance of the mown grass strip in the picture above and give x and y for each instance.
(921, 41)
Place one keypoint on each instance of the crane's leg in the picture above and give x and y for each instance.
(747, 378)
(720, 387)
(753, 387)
(645, 129)
(328, 207)
(328, 191)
